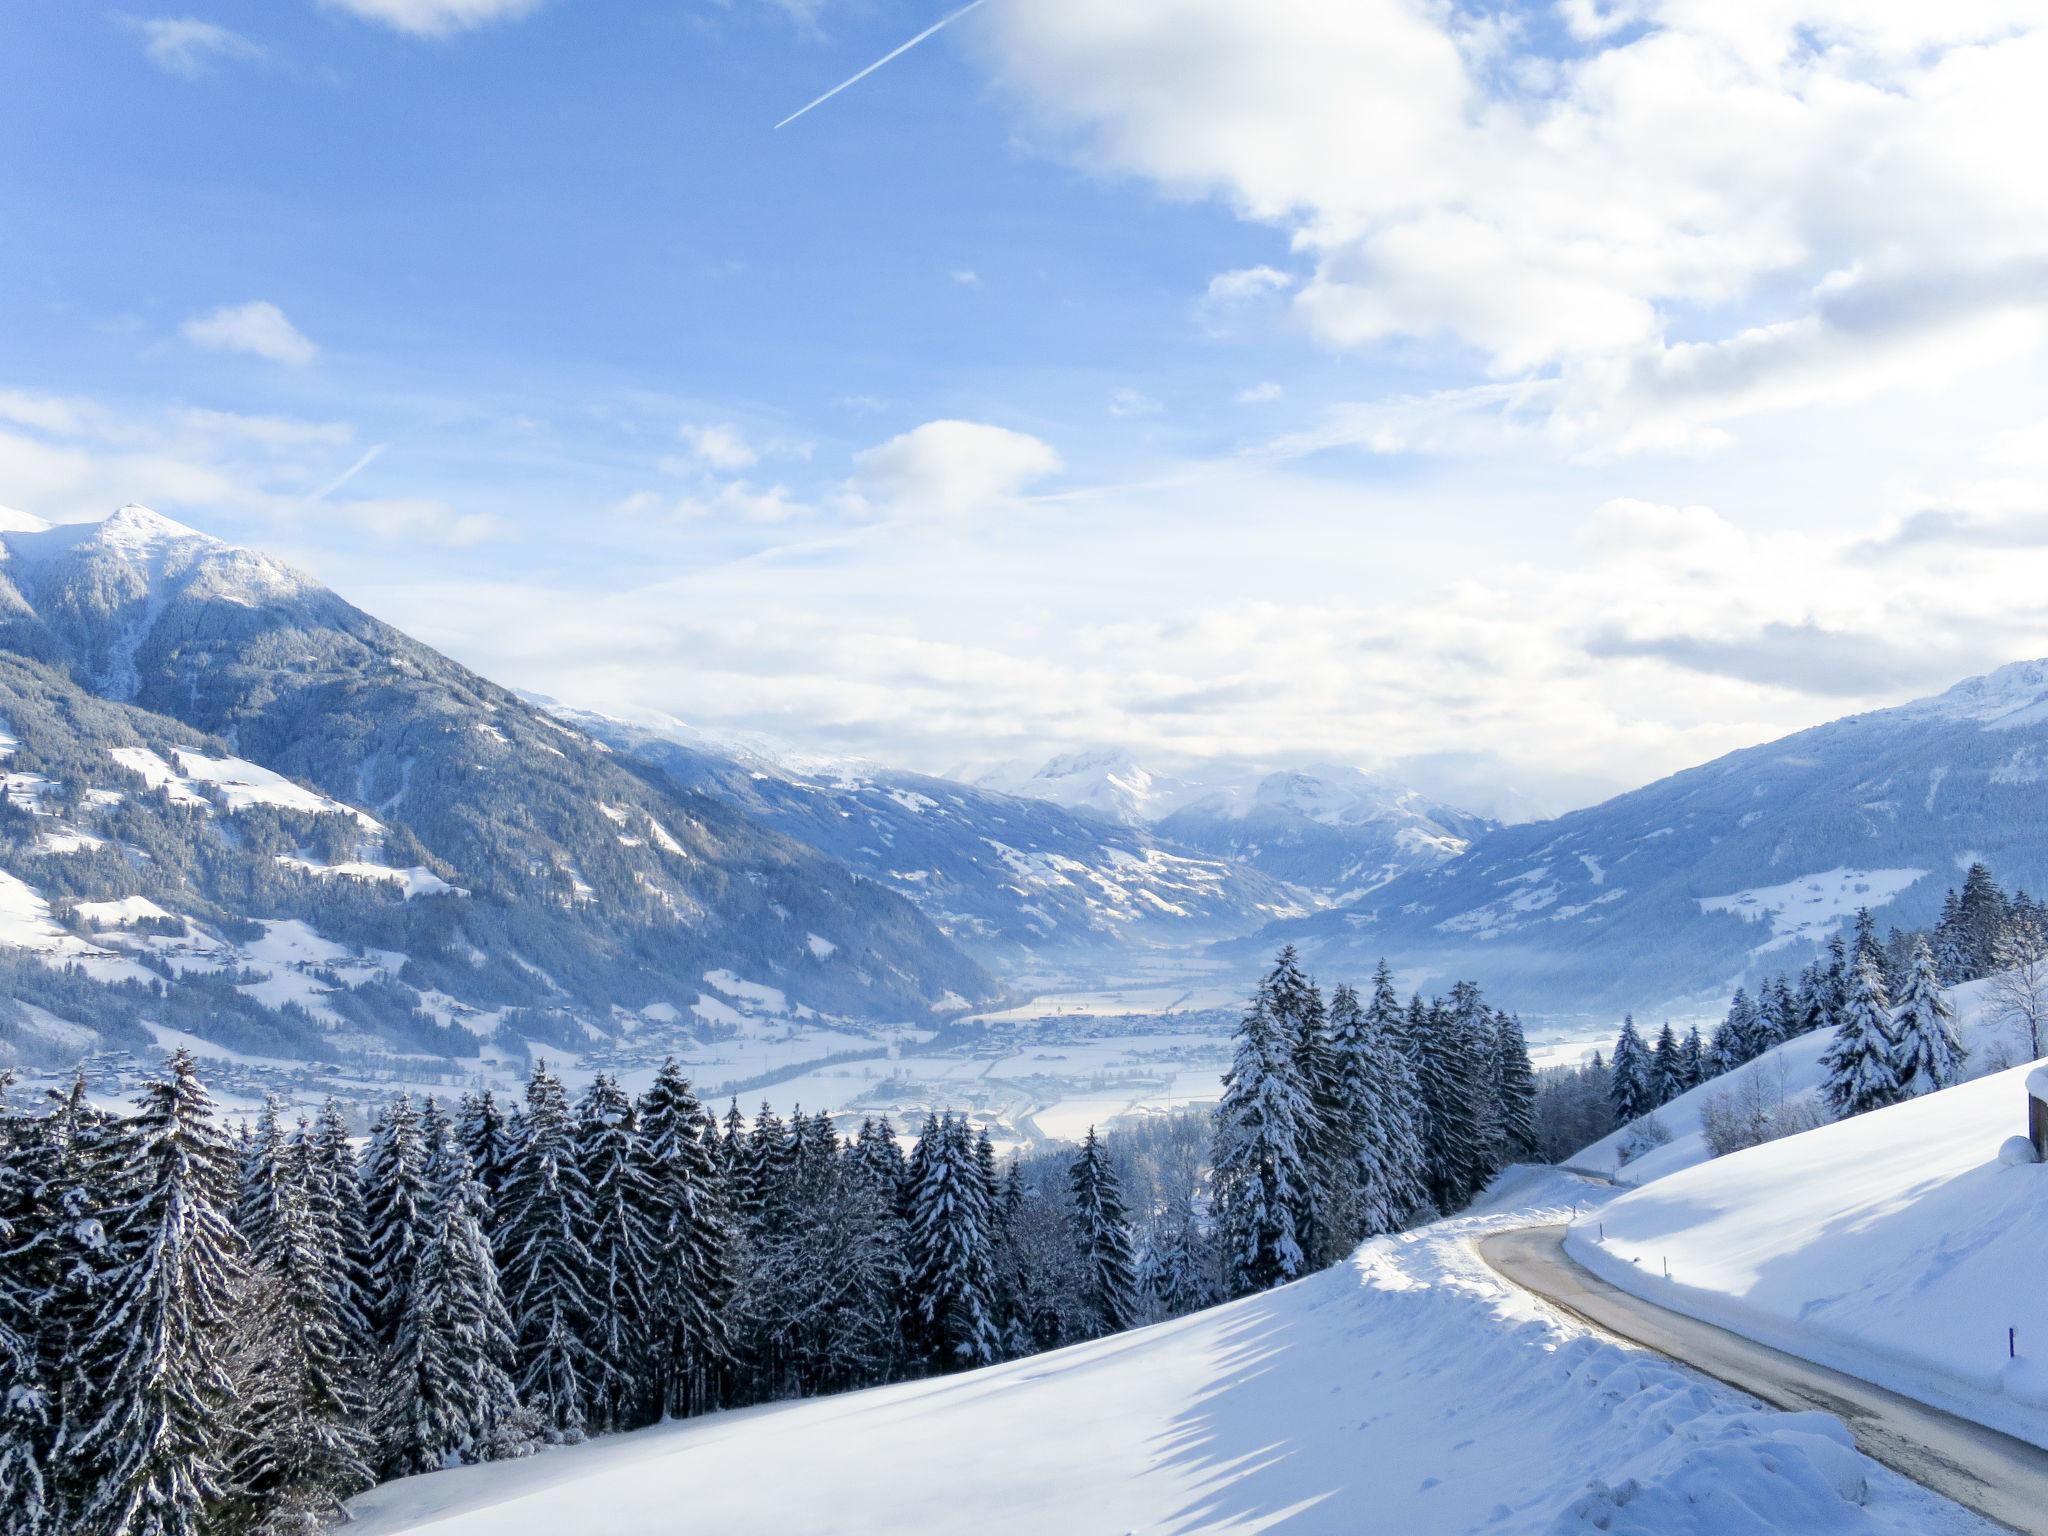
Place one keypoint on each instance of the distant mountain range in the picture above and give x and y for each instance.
(312, 832)
(1678, 892)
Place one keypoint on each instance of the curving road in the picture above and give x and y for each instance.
(1999, 1477)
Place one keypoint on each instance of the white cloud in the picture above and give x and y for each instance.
(966, 277)
(1259, 394)
(950, 468)
(719, 445)
(258, 328)
(414, 520)
(1231, 295)
(1133, 402)
(192, 49)
(436, 18)
(1568, 219)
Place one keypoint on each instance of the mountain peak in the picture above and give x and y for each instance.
(139, 525)
(2012, 695)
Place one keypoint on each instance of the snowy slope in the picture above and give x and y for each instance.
(1895, 1246)
(1408, 1391)
(1674, 893)
(1791, 1071)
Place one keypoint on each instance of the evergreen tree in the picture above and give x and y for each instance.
(334, 1207)
(398, 1214)
(1927, 1053)
(1667, 1067)
(487, 1141)
(693, 1282)
(1380, 1106)
(1104, 1236)
(1181, 1272)
(150, 1445)
(1475, 1044)
(25, 1394)
(623, 1241)
(1260, 1168)
(1951, 945)
(545, 1224)
(1327, 1193)
(950, 1292)
(1982, 916)
(261, 1176)
(303, 1448)
(1629, 1086)
(448, 1390)
(1517, 1091)
(1860, 1061)
(1692, 1055)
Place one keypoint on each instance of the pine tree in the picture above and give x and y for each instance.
(1379, 1108)
(950, 1292)
(303, 1448)
(1629, 1087)
(1667, 1067)
(260, 1176)
(624, 1242)
(1103, 1235)
(1260, 1168)
(487, 1140)
(1517, 1091)
(1475, 1061)
(398, 1214)
(1982, 916)
(150, 1444)
(448, 1390)
(25, 1395)
(1860, 1061)
(1327, 1193)
(1181, 1272)
(1927, 1054)
(335, 1209)
(693, 1281)
(1693, 1058)
(545, 1224)
(1951, 944)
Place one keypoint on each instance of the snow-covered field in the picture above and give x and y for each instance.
(1895, 1246)
(1407, 1391)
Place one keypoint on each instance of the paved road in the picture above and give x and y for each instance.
(1996, 1475)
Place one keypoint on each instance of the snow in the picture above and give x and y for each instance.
(821, 948)
(1896, 1246)
(242, 784)
(1812, 907)
(1407, 1391)
(113, 914)
(416, 881)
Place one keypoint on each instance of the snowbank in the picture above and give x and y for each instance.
(1408, 1391)
(1896, 1246)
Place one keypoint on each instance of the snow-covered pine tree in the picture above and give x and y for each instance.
(1867, 944)
(544, 1223)
(950, 1292)
(448, 1391)
(25, 1394)
(1982, 915)
(1380, 1106)
(1693, 1057)
(1667, 1067)
(1517, 1090)
(302, 1447)
(486, 1139)
(148, 1446)
(693, 1281)
(260, 1175)
(624, 1241)
(1103, 1234)
(1629, 1088)
(1860, 1062)
(863, 1240)
(1259, 1164)
(1475, 1059)
(1927, 1054)
(1951, 947)
(1182, 1269)
(1297, 1008)
(398, 1214)
(334, 1206)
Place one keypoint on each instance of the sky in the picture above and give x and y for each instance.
(1540, 397)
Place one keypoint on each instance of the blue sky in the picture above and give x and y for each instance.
(1552, 393)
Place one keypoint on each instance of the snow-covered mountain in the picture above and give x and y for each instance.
(1015, 880)
(226, 778)
(1334, 831)
(1680, 890)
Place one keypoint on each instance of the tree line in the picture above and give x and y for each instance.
(1339, 1121)
(200, 1338)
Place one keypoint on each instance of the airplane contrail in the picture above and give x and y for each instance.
(346, 475)
(943, 21)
